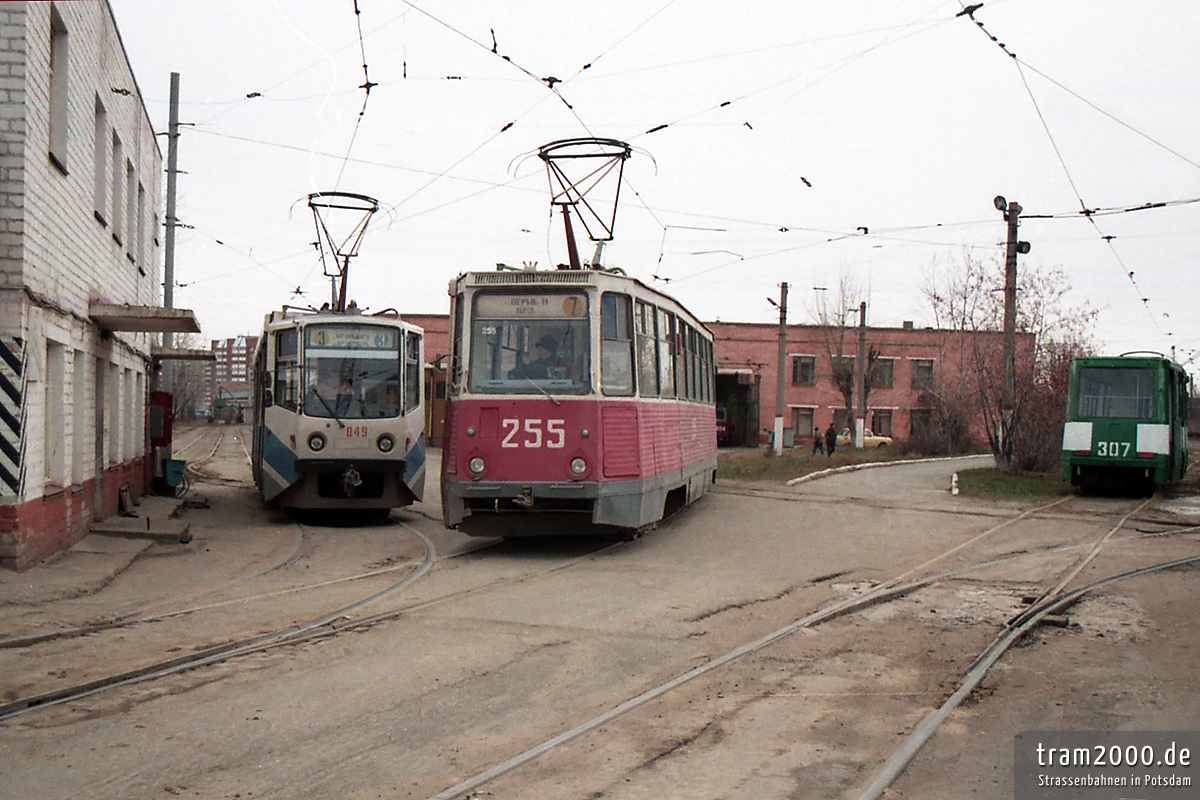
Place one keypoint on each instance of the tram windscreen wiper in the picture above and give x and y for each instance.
(332, 413)
(543, 391)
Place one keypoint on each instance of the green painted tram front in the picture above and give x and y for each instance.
(1126, 421)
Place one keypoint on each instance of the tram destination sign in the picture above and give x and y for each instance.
(352, 337)
(530, 306)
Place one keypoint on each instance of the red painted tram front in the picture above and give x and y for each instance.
(578, 400)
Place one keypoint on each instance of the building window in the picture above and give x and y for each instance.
(80, 467)
(920, 422)
(139, 241)
(881, 421)
(804, 422)
(118, 186)
(55, 405)
(130, 210)
(100, 165)
(922, 373)
(59, 65)
(804, 370)
(883, 374)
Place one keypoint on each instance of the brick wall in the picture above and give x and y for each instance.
(72, 401)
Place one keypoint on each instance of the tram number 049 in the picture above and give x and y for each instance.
(1112, 449)
(533, 433)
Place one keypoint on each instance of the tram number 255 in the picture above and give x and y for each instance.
(1112, 449)
(533, 433)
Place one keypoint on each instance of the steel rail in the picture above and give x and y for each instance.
(928, 726)
(219, 653)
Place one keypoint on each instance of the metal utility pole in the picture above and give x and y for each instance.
(1012, 215)
(777, 445)
(166, 382)
(860, 422)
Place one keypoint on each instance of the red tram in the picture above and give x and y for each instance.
(578, 400)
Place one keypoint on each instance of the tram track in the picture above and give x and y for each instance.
(327, 624)
(290, 634)
(1049, 602)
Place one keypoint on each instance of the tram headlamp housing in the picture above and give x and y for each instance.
(316, 442)
(385, 443)
(476, 465)
(578, 466)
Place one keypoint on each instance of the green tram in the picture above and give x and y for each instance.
(1126, 423)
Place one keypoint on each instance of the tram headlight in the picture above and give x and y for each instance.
(476, 465)
(385, 443)
(316, 442)
(578, 466)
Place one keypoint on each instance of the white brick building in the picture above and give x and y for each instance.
(80, 275)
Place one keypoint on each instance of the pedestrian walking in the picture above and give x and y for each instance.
(818, 442)
(830, 440)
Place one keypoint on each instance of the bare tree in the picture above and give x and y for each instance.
(968, 300)
(840, 335)
(188, 378)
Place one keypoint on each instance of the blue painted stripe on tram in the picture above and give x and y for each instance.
(279, 457)
(414, 462)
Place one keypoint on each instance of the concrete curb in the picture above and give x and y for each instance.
(812, 476)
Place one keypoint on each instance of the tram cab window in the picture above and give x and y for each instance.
(530, 342)
(616, 345)
(1124, 392)
(352, 371)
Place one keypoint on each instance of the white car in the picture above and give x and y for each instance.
(870, 440)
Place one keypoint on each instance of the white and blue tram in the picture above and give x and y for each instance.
(339, 410)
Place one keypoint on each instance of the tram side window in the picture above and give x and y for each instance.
(412, 371)
(647, 351)
(710, 371)
(616, 345)
(693, 364)
(666, 353)
(455, 375)
(287, 369)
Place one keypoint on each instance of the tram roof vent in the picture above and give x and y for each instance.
(523, 277)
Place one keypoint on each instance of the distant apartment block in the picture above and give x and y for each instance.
(230, 375)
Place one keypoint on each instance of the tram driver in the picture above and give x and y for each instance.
(545, 363)
(331, 395)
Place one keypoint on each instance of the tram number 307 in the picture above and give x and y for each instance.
(1112, 449)
(551, 435)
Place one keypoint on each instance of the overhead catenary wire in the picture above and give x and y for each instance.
(969, 12)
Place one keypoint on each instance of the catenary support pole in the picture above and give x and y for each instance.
(166, 382)
(777, 443)
(860, 419)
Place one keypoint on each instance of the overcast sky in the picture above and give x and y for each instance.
(789, 128)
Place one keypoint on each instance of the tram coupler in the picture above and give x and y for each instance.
(525, 499)
(351, 480)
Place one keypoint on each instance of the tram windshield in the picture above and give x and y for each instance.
(1122, 392)
(351, 371)
(527, 342)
